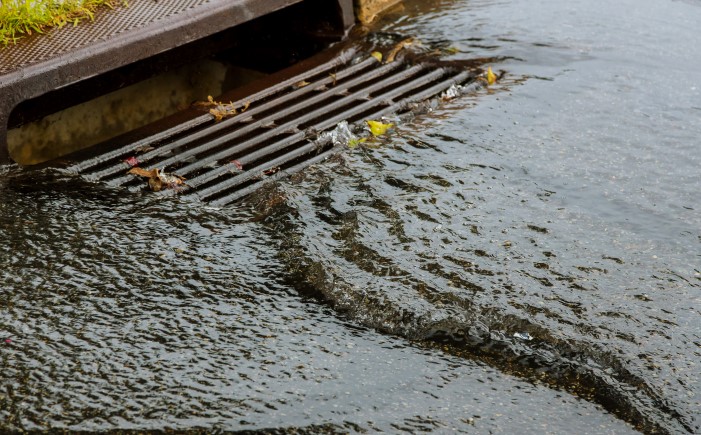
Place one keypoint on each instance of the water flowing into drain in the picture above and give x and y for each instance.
(278, 134)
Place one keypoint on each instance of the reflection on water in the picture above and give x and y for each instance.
(125, 312)
(526, 259)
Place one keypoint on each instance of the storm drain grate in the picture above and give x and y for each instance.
(223, 161)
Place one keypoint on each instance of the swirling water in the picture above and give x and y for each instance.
(526, 259)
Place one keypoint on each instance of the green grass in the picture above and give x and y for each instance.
(19, 18)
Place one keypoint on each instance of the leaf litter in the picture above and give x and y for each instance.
(341, 135)
(220, 110)
(158, 179)
(377, 128)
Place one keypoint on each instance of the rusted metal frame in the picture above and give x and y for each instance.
(294, 109)
(327, 123)
(105, 55)
(257, 171)
(344, 57)
(306, 117)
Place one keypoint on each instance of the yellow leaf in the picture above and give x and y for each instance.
(377, 128)
(353, 143)
(491, 77)
(217, 114)
(377, 55)
(452, 50)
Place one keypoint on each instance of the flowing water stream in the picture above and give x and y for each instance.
(523, 260)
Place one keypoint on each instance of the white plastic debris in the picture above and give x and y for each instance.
(342, 134)
(453, 91)
(523, 336)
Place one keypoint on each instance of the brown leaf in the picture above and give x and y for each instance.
(155, 184)
(170, 180)
(397, 48)
(158, 180)
(143, 172)
(272, 171)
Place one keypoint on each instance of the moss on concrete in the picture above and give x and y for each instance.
(19, 18)
(367, 10)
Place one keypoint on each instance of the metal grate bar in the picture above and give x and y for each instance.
(291, 110)
(122, 166)
(342, 59)
(140, 144)
(306, 117)
(249, 128)
(341, 89)
(427, 93)
(324, 124)
(238, 194)
(256, 171)
(253, 157)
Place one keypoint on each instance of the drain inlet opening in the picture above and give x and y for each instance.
(100, 108)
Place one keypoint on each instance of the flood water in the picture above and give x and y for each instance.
(524, 260)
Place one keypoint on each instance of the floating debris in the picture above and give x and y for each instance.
(342, 134)
(157, 179)
(523, 336)
(456, 90)
(453, 91)
(354, 142)
(272, 171)
(377, 55)
(221, 110)
(451, 50)
(377, 128)
(491, 77)
(144, 149)
(132, 161)
(397, 48)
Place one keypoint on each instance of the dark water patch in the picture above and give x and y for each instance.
(478, 315)
(125, 312)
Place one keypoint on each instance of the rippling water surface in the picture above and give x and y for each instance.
(526, 259)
